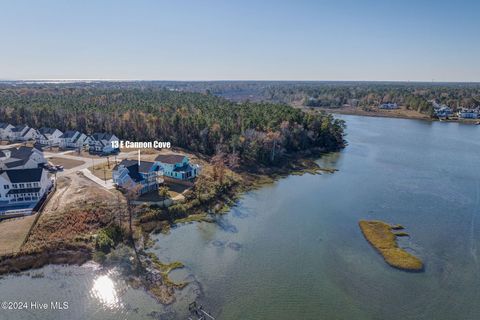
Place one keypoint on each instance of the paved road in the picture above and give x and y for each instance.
(8, 146)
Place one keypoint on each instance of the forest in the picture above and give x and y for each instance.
(416, 96)
(246, 133)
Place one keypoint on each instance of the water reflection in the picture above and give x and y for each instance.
(104, 291)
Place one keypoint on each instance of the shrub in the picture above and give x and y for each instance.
(104, 243)
(114, 232)
(99, 257)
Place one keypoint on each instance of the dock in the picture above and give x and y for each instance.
(198, 313)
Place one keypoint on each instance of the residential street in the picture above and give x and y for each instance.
(88, 162)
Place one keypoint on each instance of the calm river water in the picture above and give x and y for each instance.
(293, 250)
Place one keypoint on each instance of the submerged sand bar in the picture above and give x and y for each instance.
(381, 237)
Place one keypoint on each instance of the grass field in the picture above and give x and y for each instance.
(103, 170)
(13, 232)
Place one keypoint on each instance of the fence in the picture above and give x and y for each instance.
(12, 214)
(39, 213)
(164, 204)
(8, 253)
(186, 183)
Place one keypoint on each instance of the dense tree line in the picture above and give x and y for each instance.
(251, 132)
(332, 94)
(414, 96)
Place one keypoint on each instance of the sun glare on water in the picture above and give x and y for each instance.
(103, 290)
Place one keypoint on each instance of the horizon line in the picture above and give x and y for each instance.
(219, 80)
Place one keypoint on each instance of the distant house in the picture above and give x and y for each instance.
(131, 174)
(49, 136)
(73, 139)
(353, 102)
(177, 166)
(443, 111)
(22, 187)
(18, 131)
(389, 106)
(102, 143)
(21, 158)
(29, 134)
(469, 114)
(6, 131)
(24, 133)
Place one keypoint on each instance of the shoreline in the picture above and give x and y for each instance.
(153, 276)
(387, 114)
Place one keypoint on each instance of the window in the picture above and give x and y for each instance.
(6, 187)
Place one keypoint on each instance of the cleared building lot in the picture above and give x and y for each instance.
(13, 233)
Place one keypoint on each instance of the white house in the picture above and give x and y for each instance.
(131, 174)
(177, 166)
(21, 158)
(23, 133)
(49, 136)
(29, 134)
(20, 188)
(102, 143)
(6, 131)
(443, 112)
(73, 139)
(469, 114)
(18, 131)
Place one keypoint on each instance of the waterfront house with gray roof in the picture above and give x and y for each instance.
(177, 166)
(134, 174)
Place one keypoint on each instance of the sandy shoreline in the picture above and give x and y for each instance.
(397, 114)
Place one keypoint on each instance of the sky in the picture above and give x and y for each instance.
(400, 40)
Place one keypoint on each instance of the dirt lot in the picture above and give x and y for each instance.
(66, 163)
(13, 232)
(52, 149)
(84, 154)
(75, 188)
(103, 170)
